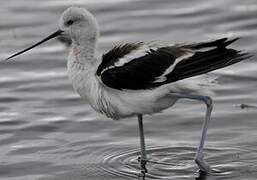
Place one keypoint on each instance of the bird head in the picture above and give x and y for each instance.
(78, 23)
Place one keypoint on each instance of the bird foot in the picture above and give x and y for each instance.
(143, 167)
(202, 164)
(142, 173)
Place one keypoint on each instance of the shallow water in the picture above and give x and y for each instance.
(48, 133)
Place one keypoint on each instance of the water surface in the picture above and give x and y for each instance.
(48, 133)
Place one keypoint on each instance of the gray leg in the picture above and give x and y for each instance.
(204, 167)
(142, 159)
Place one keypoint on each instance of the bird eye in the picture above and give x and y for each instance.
(70, 22)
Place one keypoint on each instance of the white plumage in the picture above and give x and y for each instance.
(118, 104)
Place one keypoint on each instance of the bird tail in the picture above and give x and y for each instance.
(203, 61)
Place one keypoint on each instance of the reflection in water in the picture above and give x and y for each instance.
(47, 132)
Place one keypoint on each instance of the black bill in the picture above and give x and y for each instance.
(57, 33)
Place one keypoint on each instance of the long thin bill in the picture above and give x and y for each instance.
(57, 33)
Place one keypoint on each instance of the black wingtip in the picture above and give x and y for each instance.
(224, 42)
(219, 43)
(228, 42)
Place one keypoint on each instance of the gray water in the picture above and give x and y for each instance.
(48, 133)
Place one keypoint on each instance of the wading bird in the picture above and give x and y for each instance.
(135, 79)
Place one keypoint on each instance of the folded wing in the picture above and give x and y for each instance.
(137, 66)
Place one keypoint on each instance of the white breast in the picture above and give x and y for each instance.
(114, 103)
(88, 86)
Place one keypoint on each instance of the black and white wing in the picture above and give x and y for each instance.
(137, 66)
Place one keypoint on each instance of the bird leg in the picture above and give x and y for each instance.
(142, 159)
(199, 157)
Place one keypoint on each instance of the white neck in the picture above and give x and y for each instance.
(82, 65)
(84, 50)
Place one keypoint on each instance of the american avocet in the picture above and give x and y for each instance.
(137, 78)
